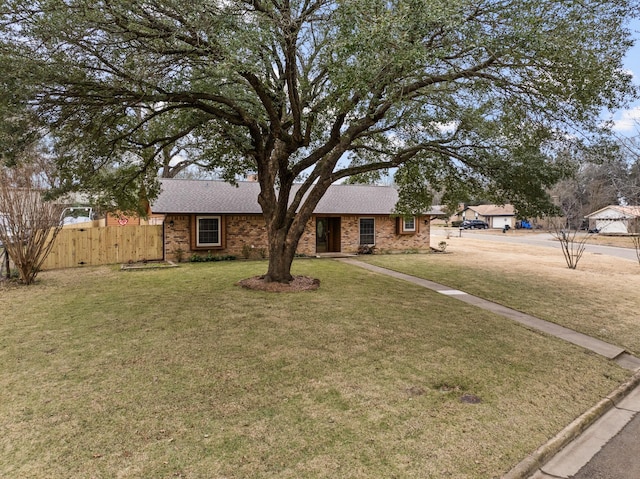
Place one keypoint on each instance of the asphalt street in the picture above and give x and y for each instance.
(619, 459)
(533, 239)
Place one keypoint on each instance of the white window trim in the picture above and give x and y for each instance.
(360, 230)
(208, 217)
(404, 224)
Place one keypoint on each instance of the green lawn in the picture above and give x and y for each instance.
(600, 298)
(180, 373)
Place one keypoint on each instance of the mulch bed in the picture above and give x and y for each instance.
(299, 283)
(143, 265)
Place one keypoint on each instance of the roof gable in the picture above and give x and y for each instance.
(615, 211)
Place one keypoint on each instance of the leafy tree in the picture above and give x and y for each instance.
(166, 155)
(463, 95)
(19, 126)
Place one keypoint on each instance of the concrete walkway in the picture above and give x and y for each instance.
(571, 449)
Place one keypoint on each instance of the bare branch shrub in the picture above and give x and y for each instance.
(636, 245)
(572, 242)
(29, 224)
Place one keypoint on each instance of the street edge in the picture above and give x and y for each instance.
(536, 460)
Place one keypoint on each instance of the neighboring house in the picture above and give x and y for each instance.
(615, 219)
(495, 216)
(118, 218)
(439, 215)
(204, 216)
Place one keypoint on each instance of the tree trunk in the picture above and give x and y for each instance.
(285, 211)
(284, 229)
(280, 259)
(5, 257)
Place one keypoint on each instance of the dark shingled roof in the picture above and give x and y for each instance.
(212, 196)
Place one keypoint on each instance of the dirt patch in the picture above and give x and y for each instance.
(299, 283)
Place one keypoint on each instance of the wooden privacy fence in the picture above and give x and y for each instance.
(105, 245)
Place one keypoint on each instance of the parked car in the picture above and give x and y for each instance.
(76, 214)
(474, 224)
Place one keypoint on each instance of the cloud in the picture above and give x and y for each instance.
(631, 72)
(628, 120)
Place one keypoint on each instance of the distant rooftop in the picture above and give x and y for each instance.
(625, 212)
(493, 210)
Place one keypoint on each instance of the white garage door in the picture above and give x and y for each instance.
(609, 226)
(501, 221)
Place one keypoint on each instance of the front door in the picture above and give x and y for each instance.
(328, 235)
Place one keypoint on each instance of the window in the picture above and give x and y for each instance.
(208, 231)
(409, 224)
(367, 231)
(406, 226)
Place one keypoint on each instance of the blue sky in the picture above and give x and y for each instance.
(627, 121)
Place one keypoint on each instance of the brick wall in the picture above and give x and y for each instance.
(386, 238)
(248, 232)
(176, 237)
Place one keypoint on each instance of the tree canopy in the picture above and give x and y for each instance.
(459, 95)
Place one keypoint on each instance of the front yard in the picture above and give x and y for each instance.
(180, 373)
(600, 298)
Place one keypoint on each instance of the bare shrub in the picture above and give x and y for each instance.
(572, 242)
(29, 224)
(636, 245)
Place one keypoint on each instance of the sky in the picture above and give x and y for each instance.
(626, 121)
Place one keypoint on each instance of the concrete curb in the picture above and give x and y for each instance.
(536, 460)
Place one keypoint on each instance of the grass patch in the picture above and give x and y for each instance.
(180, 373)
(617, 241)
(599, 298)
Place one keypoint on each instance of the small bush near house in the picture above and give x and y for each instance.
(196, 258)
(179, 252)
(246, 251)
(366, 249)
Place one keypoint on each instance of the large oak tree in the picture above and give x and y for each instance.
(455, 94)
